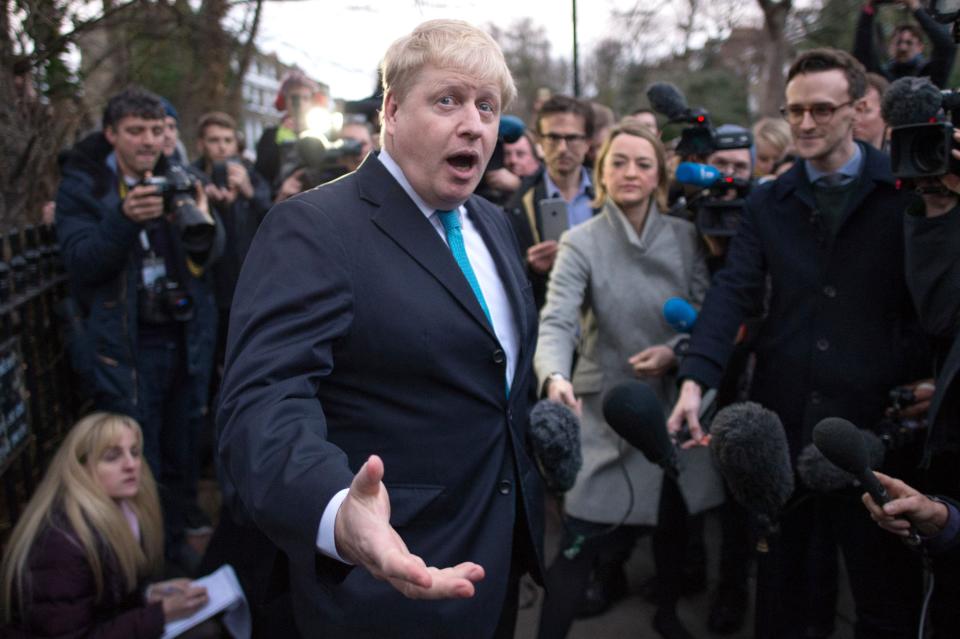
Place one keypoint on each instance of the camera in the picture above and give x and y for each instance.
(163, 301)
(923, 118)
(177, 187)
(715, 213)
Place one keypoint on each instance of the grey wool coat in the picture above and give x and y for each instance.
(605, 300)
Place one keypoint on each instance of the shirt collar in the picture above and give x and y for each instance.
(394, 169)
(112, 163)
(554, 191)
(850, 170)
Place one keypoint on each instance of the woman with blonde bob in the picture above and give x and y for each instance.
(87, 540)
(605, 297)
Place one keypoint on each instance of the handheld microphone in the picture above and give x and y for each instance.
(679, 314)
(634, 412)
(511, 128)
(820, 474)
(751, 451)
(911, 100)
(555, 439)
(700, 175)
(667, 99)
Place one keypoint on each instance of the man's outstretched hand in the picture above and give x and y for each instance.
(364, 537)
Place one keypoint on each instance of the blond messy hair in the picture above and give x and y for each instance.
(70, 490)
(446, 44)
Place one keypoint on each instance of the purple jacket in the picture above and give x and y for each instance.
(62, 597)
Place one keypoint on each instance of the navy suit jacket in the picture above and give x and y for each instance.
(354, 332)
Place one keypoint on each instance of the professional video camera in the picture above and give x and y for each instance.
(178, 187)
(923, 119)
(700, 139)
(316, 155)
(945, 12)
(716, 212)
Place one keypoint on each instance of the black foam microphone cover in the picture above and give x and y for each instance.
(841, 443)
(555, 439)
(751, 451)
(634, 412)
(911, 100)
(667, 99)
(820, 474)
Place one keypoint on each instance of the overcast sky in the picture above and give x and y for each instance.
(340, 42)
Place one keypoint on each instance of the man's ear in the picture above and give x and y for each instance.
(390, 106)
(110, 133)
(860, 106)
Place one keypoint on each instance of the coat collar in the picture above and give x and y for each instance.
(651, 226)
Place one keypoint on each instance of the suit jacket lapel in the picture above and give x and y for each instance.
(400, 219)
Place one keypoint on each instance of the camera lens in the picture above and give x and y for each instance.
(930, 151)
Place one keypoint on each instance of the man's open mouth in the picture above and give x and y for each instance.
(463, 161)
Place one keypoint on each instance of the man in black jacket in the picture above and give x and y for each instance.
(836, 337)
(906, 46)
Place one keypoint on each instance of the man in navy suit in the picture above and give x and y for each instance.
(372, 420)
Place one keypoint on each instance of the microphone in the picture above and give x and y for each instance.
(820, 474)
(555, 439)
(911, 100)
(667, 99)
(842, 443)
(679, 314)
(751, 451)
(700, 175)
(511, 128)
(634, 412)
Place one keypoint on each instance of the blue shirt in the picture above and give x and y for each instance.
(850, 170)
(579, 209)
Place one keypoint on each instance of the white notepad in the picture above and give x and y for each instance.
(225, 594)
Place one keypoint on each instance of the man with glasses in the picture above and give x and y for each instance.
(824, 245)
(565, 128)
(906, 45)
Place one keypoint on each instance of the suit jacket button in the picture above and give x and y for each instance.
(504, 486)
(499, 357)
(822, 344)
(829, 291)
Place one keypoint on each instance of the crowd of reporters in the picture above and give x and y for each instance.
(832, 286)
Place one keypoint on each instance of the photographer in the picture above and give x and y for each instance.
(239, 195)
(906, 45)
(137, 238)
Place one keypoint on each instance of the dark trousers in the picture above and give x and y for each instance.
(584, 541)
(170, 438)
(885, 576)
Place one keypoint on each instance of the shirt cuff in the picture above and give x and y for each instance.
(326, 537)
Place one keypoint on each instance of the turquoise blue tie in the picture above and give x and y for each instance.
(451, 224)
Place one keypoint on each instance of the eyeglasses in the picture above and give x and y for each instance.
(821, 113)
(556, 138)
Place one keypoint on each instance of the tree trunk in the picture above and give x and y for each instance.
(776, 49)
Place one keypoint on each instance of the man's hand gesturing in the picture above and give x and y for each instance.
(365, 537)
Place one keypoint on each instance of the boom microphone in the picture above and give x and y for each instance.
(667, 99)
(555, 439)
(820, 474)
(842, 443)
(679, 314)
(911, 100)
(700, 175)
(634, 412)
(750, 448)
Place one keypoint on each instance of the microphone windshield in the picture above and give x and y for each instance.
(911, 100)
(680, 314)
(820, 474)
(751, 450)
(511, 128)
(841, 443)
(667, 99)
(634, 412)
(555, 438)
(700, 175)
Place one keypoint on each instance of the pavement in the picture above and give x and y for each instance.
(631, 617)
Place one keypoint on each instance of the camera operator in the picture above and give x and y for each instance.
(137, 246)
(906, 45)
(296, 96)
(838, 334)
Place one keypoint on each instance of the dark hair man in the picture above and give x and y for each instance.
(241, 197)
(647, 118)
(565, 129)
(838, 335)
(869, 125)
(375, 400)
(520, 157)
(147, 311)
(906, 46)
